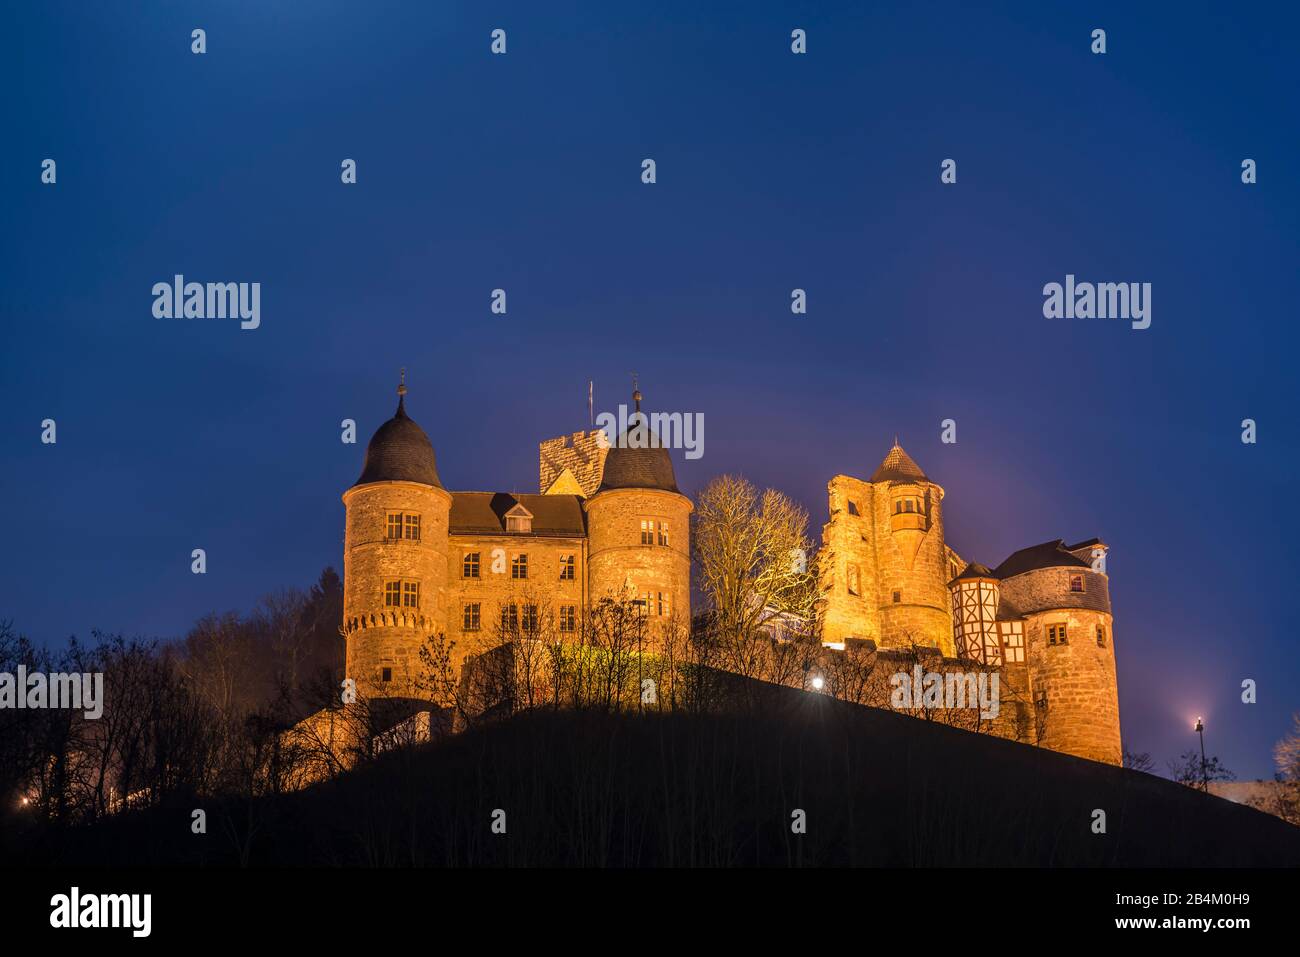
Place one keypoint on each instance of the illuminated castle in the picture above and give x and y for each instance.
(420, 560)
(611, 522)
(1042, 616)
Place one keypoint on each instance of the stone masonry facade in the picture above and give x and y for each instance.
(611, 523)
(889, 579)
(581, 454)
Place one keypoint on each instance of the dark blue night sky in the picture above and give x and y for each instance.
(775, 171)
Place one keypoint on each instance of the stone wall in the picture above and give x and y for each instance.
(617, 556)
(493, 590)
(902, 573)
(582, 453)
(1074, 686)
(1046, 588)
(380, 636)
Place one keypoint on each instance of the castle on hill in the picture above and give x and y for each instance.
(609, 521)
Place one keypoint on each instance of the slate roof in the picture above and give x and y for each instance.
(898, 467)
(1051, 554)
(484, 513)
(1007, 611)
(976, 570)
(649, 467)
(1090, 544)
(399, 451)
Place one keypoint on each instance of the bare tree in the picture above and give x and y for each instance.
(1284, 799)
(1190, 769)
(751, 552)
(1139, 762)
(279, 619)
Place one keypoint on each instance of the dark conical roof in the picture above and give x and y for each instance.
(898, 467)
(638, 468)
(976, 570)
(638, 459)
(399, 451)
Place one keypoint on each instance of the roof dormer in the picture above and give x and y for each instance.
(519, 520)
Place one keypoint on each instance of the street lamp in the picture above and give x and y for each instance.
(1200, 730)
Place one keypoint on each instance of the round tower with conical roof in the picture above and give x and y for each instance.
(638, 526)
(912, 558)
(394, 558)
(886, 566)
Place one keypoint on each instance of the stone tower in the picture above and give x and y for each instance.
(887, 578)
(572, 464)
(394, 558)
(638, 526)
(1064, 600)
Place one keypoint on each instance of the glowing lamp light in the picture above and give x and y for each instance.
(818, 682)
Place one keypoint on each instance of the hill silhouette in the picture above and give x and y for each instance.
(585, 788)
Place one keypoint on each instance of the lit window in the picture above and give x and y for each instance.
(411, 594)
(566, 568)
(469, 566)
(519, 566)
(568, 618)
(1101, 636)
(647, 531)
(663, 533)
(393, 594)
(1056, 634)
(471, 617)
(1013, 643)
(401, 525)
(1076, 583)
